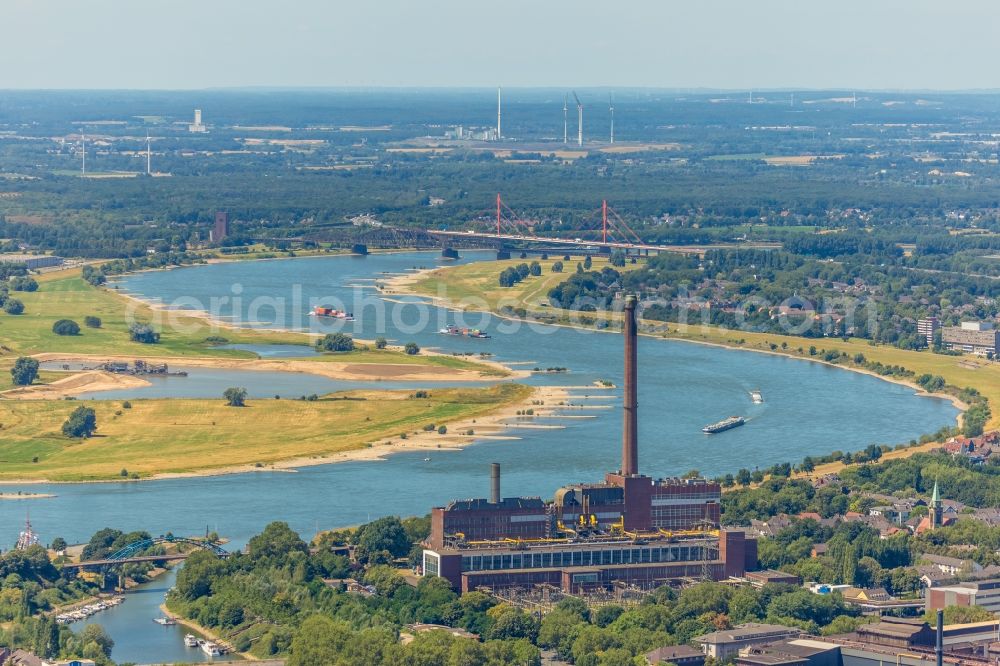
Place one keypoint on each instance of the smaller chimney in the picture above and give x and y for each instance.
(939, 644)
(494, 483)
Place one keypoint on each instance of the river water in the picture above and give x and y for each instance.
(683, 386)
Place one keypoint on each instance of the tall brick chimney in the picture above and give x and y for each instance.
(630, 431)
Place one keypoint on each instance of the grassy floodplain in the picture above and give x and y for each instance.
(458, 283)
(179, 436)
(65, 295)
(157, 437)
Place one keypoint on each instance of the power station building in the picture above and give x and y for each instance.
(628, 529)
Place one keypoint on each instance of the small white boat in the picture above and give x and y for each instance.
(165, 621)
(210, 648)
(756, 396)
(190, 640)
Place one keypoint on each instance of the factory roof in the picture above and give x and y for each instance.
(506, 504)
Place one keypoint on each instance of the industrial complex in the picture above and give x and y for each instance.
(629, 529)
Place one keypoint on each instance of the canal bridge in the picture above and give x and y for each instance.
(132, 552)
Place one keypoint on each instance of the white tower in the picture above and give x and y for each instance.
(611, 106)
(579, 120)
(83, 163)
(565, 119)
(149, 170)
(498, 114)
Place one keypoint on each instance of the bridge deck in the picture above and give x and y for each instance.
(141, 558)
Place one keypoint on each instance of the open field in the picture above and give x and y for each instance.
(461, 284)
(469, 286)
(64, 294)
(173, 437)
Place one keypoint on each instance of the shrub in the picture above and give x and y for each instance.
(429, 427)
(90, 321)
(336, 342)
(13, 306)
(442, 430)
(380, 342)
(25, 371)
(126, 405)
(143, 333)
(411, 348)
(235, 396)
(66, 327)
(82, 422)
(23, 283)
(94, 276)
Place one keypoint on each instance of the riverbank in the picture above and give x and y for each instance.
(25, 496)
(481, 279)
(204, 632)
(175, 438)
(357, 366)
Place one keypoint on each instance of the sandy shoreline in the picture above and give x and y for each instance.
(75, 384)
(403, 284)
(543, 401)
(91, 380)
(25, 496)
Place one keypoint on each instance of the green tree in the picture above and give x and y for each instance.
(236, 396)
(383, 534)
(25, 371)
(277, 540)
(743, 477)
(380, 342)
(13, 306)
(66, 327)
(535, 268)
(90, 321)
(318, 642)
(336, 342)
(960, 615)
(557, 267)
(142, 333)
(82, 422)
(96, 642)
(587, 262)
(411, 348)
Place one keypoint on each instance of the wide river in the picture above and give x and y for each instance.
(809, 408)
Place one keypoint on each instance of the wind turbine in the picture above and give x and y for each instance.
(149, 170)
(611, 106)
(579, 120)
(83, 164)
(565, 119)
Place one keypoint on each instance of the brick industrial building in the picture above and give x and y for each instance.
(628, 529)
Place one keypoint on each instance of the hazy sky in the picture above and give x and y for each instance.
(736, 44)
